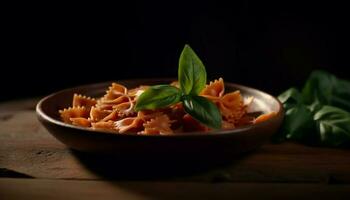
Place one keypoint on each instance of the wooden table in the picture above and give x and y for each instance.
(34, 165)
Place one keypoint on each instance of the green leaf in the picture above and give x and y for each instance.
(203, 110)
(290, 98)
(292, 94)
(192, 75)
(298, 125)
(319, 87)
(324, 88)
(341, 95)
(316, 116)
(333, 125)
(158, 96)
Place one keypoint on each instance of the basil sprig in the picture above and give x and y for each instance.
(319, 114)
(192, 78)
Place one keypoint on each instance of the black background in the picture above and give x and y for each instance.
(264, 45)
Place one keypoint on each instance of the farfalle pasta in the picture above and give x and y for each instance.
(115, 112)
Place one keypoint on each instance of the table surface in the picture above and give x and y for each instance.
(33, 164)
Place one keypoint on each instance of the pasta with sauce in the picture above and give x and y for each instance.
(115, 112)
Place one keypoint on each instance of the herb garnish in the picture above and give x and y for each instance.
(192, 78)
(319, 114)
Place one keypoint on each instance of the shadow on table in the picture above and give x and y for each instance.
(114, 167)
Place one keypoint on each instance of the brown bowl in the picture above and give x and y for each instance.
(198, 144)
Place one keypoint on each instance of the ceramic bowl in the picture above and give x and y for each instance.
(196, 144)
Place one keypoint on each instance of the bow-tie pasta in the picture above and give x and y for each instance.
(115, 112)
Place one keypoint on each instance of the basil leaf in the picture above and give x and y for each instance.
(298, 125)
(315, 116)
(319, 87)
(325, 89)
(290, 98)
(341, 95)
(192, 75)
(203, 111)
(333, 125)
(158, 96)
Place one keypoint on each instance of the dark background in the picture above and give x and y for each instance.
(264, 45)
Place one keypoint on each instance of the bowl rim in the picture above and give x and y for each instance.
(41, 114)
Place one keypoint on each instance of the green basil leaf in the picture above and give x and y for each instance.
(158, 96)
(333, 125)
(298, 125)
(341, 95)
(192, 75)
(324, 88)
(290, 98)
(319, 87)
(203, 110)
(316, 116)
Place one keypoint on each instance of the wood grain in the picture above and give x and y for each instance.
(28, 149)
(70, 189)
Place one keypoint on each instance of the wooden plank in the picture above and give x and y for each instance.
(18, 105)
(271, 163)
(28, 149)
(70, 189)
